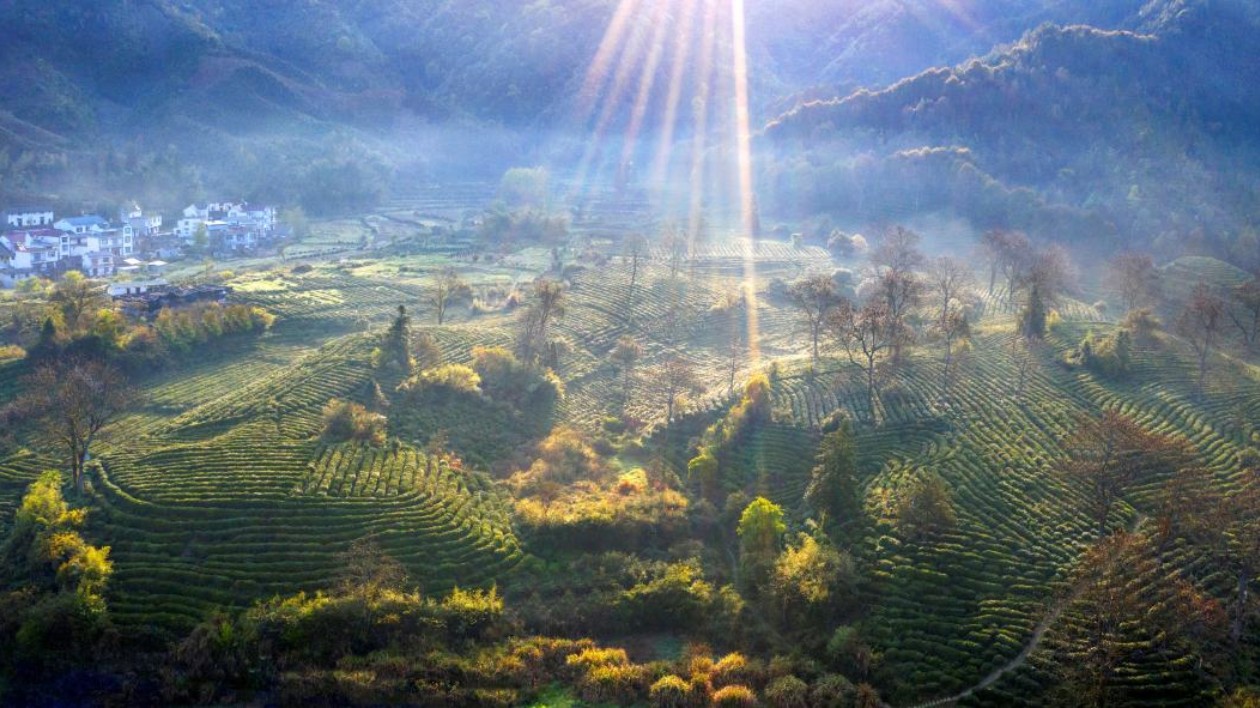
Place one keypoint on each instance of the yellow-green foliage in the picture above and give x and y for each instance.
(346, 420)
(812, 574)
(182, 329)
(680, 597)
(1108, 356)
(734, 669)
(563, 457)
(589, 657)
(925, 506)
(522, 386)
(55, 614)
(734, 696)
(670, 691)
(46, 534)
(447, 378)
(760, 527)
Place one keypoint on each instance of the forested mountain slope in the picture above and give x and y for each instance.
(1140, 136)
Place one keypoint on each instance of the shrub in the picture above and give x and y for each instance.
(345, 420)
(447, 379)
(670, 692)
(524, 387)
(926, 507)
(734, 668)
(1142, 323)
(832, 691)
(11, 351)
(787, 692)
(620, 684)
(1107, 356)
(734, 696)
(679, 597)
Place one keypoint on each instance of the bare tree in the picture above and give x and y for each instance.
(1244, 311)
(815, 296)
(1111, 452)
(73, 400)
(1025, 353)
(446, 287)
(634, 250)
(991, 249)
(898, 251)
(948, 277)
(676, 247)
(1017, 259)
(1043, 282)
(952, 329)
(1008, 253)
(895, 262)
(867, 334)
(1200, 323)
(1134, 278)
(1224, 524)
(901, 292)
(1123, 604)
(546, 305)
(677, 377)
(625, 354)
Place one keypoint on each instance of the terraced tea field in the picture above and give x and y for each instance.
(231, 497)
(217, 491)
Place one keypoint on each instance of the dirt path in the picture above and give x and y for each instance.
(1033, 642)
(1046, 621)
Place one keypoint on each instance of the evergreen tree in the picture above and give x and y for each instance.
(833, 488)
(397, 350)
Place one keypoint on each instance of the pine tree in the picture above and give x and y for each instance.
(397, 349)
(833, 488)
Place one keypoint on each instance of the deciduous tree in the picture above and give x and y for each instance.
(634, 250)
(77, 299)
(1125, 604)
(1244, 310)
(1111, 452)
(546, 304)
(625, 355)
(867, 334)
(73, 400)
(1134, 278)
(815, 296)
(1200, 324)
(760, 531)
(1046, 278)
(925, 507)
(677, 376)
(447, 285)
(949, 278)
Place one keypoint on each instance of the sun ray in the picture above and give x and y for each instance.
(680, 57)
(647, 80)
(609, 46)
(743, 156)
(631, 52)
(699, 139)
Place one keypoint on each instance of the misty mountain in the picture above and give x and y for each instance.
(322, 102)
(1071, 132)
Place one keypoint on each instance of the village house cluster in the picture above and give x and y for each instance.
(34, 241)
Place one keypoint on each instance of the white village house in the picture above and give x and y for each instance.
(28, 217)
(230, 226)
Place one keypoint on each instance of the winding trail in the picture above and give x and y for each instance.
(1034, 641)
(1046, 621)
